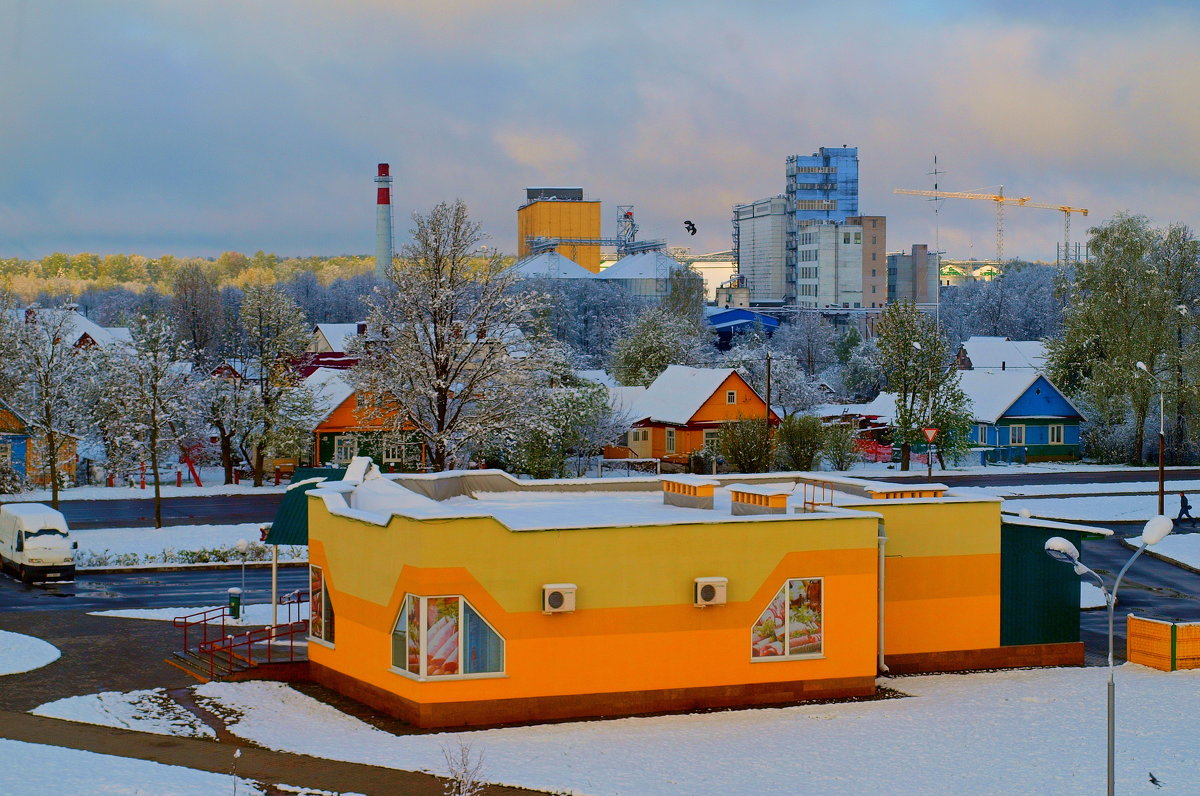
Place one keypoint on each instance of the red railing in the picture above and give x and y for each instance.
(204, 619)
(230, 646)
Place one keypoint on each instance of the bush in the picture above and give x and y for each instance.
(839, 449)
(10, 480)
(799, 441)
(746, 445)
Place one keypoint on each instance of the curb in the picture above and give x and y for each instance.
(1150, 552)
(217, 565)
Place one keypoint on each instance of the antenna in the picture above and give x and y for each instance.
(937, 243)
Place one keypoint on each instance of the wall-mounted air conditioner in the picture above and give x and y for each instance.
(558, 598)
(709, 591)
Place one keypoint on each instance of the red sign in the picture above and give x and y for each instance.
(930, 434)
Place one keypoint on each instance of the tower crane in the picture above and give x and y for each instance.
(1000, 201)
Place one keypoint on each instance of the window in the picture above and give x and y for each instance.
(845, 237)
(6, 452)
(439, 637)
(1016, 435)
(873, 255)
(791, 627)
(710, 438)
(345, 448)
(670, 440)
(872, 238)
(1056, 435)
(872, 272)
(872, 288)
(731, 396)
(320, 623)
(858, 237)
(981, 432)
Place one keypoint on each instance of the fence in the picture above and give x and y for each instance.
(1162, 644)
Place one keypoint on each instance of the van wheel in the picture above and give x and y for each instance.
(22, 574)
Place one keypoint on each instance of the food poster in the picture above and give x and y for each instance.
(804, 617)
(316, 614)
(441, 636)
(412, 634)
(769, 633)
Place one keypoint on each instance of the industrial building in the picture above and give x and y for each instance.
(760, 238)
(913, 276)
(561, 213)
(823, 186)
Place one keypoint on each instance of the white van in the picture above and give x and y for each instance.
(35, 544)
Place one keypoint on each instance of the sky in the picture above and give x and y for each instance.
(158, 127)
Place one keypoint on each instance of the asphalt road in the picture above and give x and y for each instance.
(100, 592)
(1151, 588)
(198, 510)
(1143, 475)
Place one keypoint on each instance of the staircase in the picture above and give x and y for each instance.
(212, 654)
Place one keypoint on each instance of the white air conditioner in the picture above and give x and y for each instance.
(558, 598)
(709, 591)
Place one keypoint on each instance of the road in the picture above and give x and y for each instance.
(1143, 475)
(198, 510)
(104, 591)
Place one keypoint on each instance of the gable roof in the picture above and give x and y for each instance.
(642, 265)
(678, 393)
(79, 325)
(551, 264)
(993, 391)
(331, 388)
(337, 334)
(997, 352)
(6, 410)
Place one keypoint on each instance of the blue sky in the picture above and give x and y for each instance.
(193, 128)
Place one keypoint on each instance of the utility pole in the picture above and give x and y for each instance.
(768, 392)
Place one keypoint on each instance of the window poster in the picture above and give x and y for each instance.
(441, 639)
(792, 624)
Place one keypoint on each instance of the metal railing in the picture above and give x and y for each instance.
(205, 620)
(229, 647)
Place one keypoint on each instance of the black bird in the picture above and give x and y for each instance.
(690, 227)
(1154, 781)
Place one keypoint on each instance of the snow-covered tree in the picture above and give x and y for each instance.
(654, 339)
(228, 406)
(275, 337)
(195, 309)
(588, 315)
(809, 339)
(798, 442)
(685, 295)
(54, 378)
(147, 406)
(444, 350)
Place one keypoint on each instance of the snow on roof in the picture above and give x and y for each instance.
(883, 407)
(995, 352)
(337, 334)
(552, 265)
(1054, 525)
(331, 388)
(678, 393)
(120, 334)
(600, 377)
(80, 325)
(643, 265)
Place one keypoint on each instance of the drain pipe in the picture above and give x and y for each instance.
(882, 548)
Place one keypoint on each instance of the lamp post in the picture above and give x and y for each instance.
(243, 547)
(1061, 549)
(1162, 437)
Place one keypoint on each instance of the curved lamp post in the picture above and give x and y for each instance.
(1162, 437)
(1063, 550)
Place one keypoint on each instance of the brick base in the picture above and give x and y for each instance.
(1016, 657)
(578, 706)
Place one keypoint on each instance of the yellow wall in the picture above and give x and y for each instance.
(634, 628)
(562, 219)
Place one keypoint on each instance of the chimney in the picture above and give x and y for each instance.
(383, 221)
(1002, 364)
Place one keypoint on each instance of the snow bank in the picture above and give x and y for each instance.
(1090, 596)
(118, 546)
(21, 653)
(1183, 548)
(252, 615)
(145, 711)
(1031, 731)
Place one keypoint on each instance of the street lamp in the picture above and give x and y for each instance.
(1162, 437)
(1061, 549)
(243, 547)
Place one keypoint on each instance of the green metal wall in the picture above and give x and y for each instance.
(1039, 597)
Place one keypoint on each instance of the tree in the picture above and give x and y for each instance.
(1176, 258)
(444, 350)
(838, 446)
(275, 338)
(799, 441)
(914, 357)
(227, 404)
(847, 343)
(862, 376)
(685, 295)
(53, 377)
(652, 341)
(196, 308)
(147, 405)
(809, 339)
(746, 445)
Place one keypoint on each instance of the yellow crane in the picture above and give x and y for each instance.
(1000, 201)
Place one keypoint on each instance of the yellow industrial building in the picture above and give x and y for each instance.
(560, 213)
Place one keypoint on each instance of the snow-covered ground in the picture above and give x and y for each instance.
(211, 477)
(37, 770)
(21, 653)
(1181, 547)
(1028, 731)
(1090, 596)
(117, 546)
(252, 615)
(1120, 508)
(145, 711)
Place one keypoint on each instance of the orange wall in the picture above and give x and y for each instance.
(711, 414)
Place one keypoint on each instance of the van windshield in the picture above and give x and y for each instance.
(44, 533)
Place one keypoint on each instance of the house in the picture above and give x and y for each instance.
(1022, 410)
(473, 598)
(24, 450)
(1001, 353)
(344, 429)
(683, 411)
(78, 329)
(14, 439)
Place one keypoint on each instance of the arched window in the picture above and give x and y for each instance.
(436, 637)
(792, 626)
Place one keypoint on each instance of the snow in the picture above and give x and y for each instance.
(42, 769)
(1183, 548)
(1090, 596)
(145, 711)
(337, 335)
(252, 615)
(165, 543)
(1120, 508)
(212, 476)
(331, 387)
(21, 653)
(1028, 731)
(551, 265)
(995, 352)
(678, 393)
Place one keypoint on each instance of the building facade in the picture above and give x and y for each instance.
(560, 213)
(760, 232)
(913, 276)
(823, 186)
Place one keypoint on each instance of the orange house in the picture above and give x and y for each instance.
(683, 411)
(344, 430)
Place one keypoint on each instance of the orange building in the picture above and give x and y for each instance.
(683, 410)
(345, 430)
(560, 213)
(472, 598)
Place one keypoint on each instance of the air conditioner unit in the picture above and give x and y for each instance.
(709, 591)
(558, 598)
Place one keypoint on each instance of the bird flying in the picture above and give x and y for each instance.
(690, 227)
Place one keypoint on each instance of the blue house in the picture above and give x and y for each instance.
(14, 439)
(1022, 410)
(729, 321)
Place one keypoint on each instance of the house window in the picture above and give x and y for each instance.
(1056, 435)
(711, 436)
(442, 637)
(345, 448)
(858, 237)
(792, 625)
(731, 396)
(872, 240)
(872, 272)
(670, 440)
(872, 288)
(1016, 435)
(6, 452)
(845, 237)
(320, 623)
(981, 433)
(872, 255)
